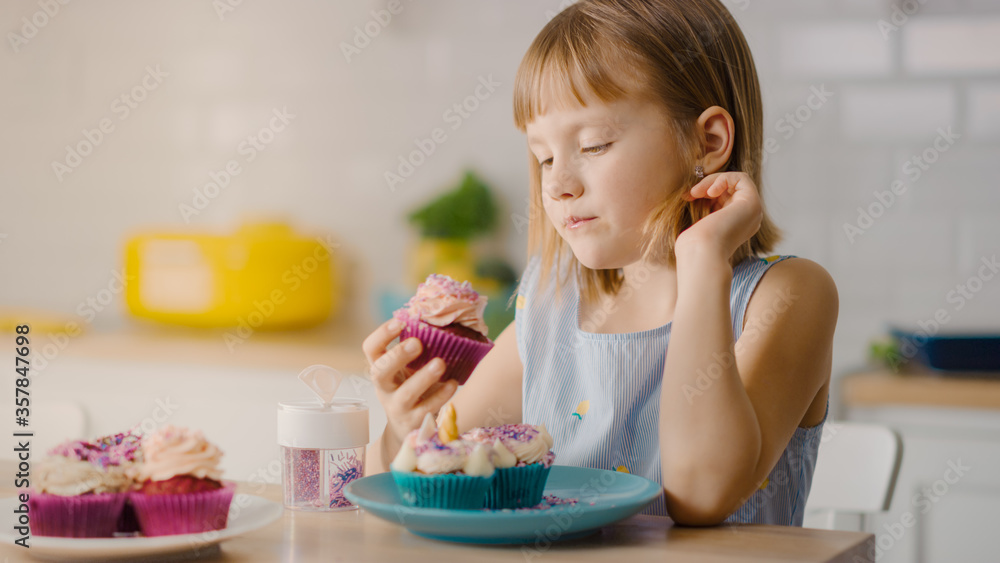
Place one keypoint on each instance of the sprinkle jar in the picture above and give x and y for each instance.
(322, 450)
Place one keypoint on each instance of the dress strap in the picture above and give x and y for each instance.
(746, 274)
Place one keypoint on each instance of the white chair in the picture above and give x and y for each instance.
(855, 474)
(52, 422)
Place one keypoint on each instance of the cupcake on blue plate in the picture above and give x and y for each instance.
(436, 469)
(523, 458)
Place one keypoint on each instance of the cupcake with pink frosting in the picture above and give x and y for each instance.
(80, 490)
(447, 317)
(179, 489)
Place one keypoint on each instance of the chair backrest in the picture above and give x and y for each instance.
(856, 468)
(52, 422)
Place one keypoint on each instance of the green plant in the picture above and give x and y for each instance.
(463, 213)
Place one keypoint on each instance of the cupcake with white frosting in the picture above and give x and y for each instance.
(81, 489)
(436, 469)
(523, 456)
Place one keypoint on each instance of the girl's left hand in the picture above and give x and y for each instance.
(736, 213)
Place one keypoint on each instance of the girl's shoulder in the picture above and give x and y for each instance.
(799, 282)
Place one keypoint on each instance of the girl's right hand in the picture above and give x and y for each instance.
(407, 396)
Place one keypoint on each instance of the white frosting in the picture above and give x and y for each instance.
(534, 450)
(502, 457)
(427, 429)
(442, 461)
(71, 477)
(406, 459)
(478, 464)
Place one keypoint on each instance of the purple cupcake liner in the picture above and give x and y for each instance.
(83, 516)
(186, 513)
(461, 355)
(518, 487)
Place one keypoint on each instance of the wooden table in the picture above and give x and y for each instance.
(358, 536)
(879, 387)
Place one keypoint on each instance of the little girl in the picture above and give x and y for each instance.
(647, 337)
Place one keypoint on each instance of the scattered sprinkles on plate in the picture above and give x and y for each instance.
(548, 501)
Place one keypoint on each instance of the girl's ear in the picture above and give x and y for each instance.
(716, 133)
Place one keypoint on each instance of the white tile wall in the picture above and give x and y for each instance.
(834, 49)
(892, 90)
(896, 112)
(983, 117)
(952, 46)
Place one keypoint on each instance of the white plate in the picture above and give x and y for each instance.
(247, 513)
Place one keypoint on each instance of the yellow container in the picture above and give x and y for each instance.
(264, 276)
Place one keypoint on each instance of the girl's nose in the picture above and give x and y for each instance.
(561, 183)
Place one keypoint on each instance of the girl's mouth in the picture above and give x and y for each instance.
(577, 222)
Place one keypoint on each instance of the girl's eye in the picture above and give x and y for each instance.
(598, 149)
(546, 162)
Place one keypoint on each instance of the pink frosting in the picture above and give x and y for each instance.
(175, 451)
(441, 301)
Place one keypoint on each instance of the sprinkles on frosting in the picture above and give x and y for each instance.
(115, 449)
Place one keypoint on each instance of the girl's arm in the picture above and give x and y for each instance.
(725, 423)
(491, 396)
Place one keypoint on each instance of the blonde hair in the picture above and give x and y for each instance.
(686, 55)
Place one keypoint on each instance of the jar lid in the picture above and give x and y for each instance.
(310, 424)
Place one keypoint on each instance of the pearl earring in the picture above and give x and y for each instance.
(699, 172)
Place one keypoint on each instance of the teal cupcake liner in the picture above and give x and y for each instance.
(517, 487)
(450, 490)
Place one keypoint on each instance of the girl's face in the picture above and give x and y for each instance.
(604, 167)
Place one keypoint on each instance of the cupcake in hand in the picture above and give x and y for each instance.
(435, 469)
(80, 490)
(178, 486)
(447, 318)
(523, 457)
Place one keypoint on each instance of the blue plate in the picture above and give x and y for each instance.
(604, 497)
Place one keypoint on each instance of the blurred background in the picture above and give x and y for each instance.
(180, 145)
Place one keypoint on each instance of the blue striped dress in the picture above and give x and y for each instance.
(599, 394)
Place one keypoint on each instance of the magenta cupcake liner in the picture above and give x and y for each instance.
(460, 354)
(83, 516)
(186, 513)
(127, 524)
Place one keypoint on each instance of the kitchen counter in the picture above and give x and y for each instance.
(882, 388)
(288, 350)
(359, 536)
